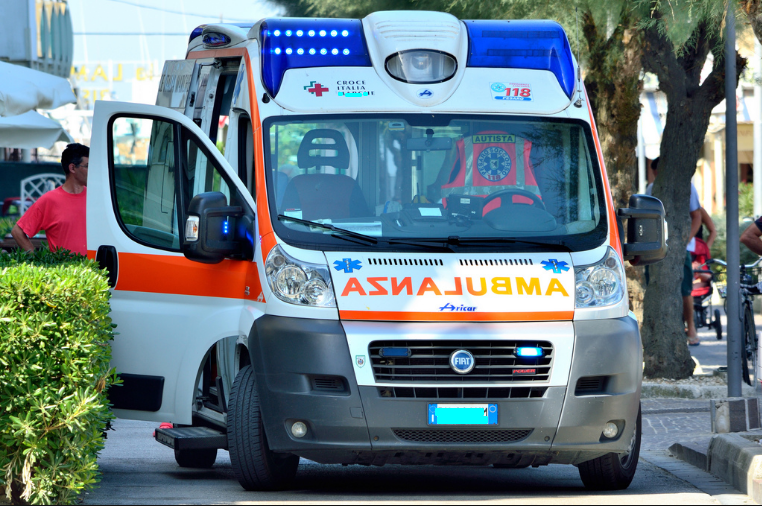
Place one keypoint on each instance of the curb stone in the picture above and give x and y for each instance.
(731, 457)
(662, 390)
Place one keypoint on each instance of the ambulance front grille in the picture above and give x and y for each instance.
(429, 361)
(491, 393)
(470, 436)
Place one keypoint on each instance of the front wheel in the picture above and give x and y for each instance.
(255, 466)
(613, 471)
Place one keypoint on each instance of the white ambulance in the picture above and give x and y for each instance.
(377, 241)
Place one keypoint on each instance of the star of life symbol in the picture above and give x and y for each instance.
(554, 265)
(493, 163)
(347, 265)
(316, 88)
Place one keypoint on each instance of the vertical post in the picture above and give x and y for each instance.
(758, 129)
(735, 340)
(642, 173)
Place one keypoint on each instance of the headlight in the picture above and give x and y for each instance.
(298, 282)
(600, 284)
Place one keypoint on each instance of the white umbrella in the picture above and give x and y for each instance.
(31, 130)
(23, 89)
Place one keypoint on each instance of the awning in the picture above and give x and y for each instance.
(31, 130)
(23, 89)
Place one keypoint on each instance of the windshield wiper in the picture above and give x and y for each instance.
(555, 244)
(325, 226)
(422, 243)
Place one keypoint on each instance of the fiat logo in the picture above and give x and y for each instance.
(462, 362)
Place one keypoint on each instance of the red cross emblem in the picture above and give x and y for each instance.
(317, 89)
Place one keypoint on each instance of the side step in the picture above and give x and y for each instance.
(192, 438)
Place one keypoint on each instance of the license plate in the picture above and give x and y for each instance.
(462, 414)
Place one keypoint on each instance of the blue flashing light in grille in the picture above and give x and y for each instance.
(529, 352)
(278, 55)
(395, 352)
(536, 45)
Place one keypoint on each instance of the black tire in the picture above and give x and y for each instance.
(749, 344)
(613, 471)
(196, 459)
(255, 466)
(718, 324)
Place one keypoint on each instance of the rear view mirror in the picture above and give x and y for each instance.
(429, 144)
(646, 230)
(210, 228)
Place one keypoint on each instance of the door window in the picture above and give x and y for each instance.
(144, 166)
(202, 174)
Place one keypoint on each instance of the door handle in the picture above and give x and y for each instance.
(108, 259)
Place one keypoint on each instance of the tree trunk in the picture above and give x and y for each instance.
(690, 106)
(753, 9)
(614, 85)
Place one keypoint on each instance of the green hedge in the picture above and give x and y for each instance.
(54, 373)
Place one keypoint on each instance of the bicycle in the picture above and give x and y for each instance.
(749, 289)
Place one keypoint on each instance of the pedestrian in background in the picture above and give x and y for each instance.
(61, 213)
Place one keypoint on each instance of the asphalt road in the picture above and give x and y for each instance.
(138, 470)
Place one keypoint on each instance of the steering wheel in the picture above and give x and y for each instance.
(514, 191)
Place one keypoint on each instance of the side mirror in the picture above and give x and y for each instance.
(646, 230)
(210, 228)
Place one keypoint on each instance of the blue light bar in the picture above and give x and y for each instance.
(395, 352)
(536, 45)
(529, 352)
(303, 43)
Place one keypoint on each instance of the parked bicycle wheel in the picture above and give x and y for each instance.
(748, 350)
(750, 341)
(718, 324)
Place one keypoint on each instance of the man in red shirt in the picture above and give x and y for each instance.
(61, 213)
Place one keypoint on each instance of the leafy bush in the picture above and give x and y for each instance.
(54, 371)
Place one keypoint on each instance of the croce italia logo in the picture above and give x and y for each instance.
(316, 88)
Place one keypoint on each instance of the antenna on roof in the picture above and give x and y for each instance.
(578, 103)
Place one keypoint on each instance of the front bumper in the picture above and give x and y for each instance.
(295, 359)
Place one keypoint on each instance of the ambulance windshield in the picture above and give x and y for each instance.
(431, 178)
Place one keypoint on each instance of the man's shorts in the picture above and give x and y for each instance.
(687, 287)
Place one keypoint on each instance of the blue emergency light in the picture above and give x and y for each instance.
(529, 352)
(303, 43)
(200, 29)
(524, 44)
